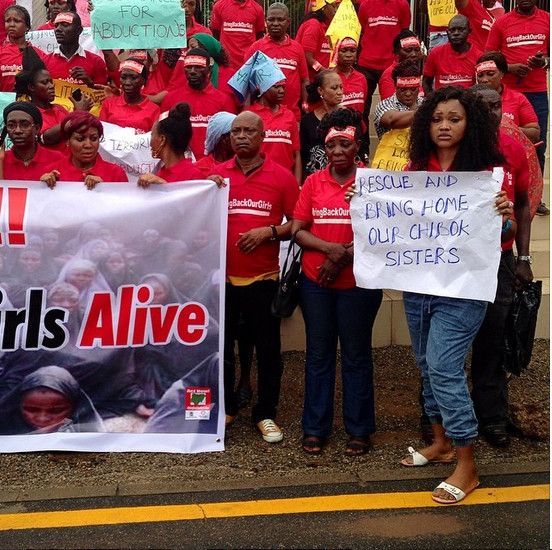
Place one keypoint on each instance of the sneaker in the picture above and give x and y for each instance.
(542, 210)
(270, 431)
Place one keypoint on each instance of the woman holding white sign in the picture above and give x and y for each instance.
(333, 305)
(452, 130)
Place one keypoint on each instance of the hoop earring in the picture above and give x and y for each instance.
(357, 160)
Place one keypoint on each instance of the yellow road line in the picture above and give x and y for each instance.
(338, 503)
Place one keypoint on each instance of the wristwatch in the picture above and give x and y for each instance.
(527, 259)
(274, 233)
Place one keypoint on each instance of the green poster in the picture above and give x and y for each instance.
(138, 24)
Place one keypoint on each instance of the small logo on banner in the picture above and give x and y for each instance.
(198, 403)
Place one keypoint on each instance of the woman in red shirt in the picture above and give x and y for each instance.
(18, 22)
(132, 108)
(53, 7)
(333, 305)
(35, 83)
(83, 132)
(490, 69)
(170, 138)
(312, 35)
(27, 160)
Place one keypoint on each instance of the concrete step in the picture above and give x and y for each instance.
(540, 228)
(540, 250)
(391, 328)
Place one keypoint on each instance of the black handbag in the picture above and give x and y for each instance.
(519, 333)
(286, 298)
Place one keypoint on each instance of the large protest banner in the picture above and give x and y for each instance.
(427, 232)
(132, 24)
(110, 311)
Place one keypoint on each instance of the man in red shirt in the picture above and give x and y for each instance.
(481, 19)
(523, 36)
(70, 61)
(287, 53)
(192, 26)
(261, 194)
(237, 24)
(452, 64)
(490, 385)
(381, 21)
(199, 93)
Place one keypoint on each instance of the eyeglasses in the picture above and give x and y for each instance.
(24, 125)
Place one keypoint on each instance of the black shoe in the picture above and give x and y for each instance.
(542, 210)
(496, 436)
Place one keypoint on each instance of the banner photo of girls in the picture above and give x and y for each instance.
(110, 316)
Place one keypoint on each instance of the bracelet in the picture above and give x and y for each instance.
(317, 66)
(274, 233)
(507, 225)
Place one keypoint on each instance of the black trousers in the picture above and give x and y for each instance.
(251, 305)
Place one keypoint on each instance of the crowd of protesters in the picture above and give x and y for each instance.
(288, 131)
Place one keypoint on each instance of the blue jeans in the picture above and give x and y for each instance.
(442, 331)
(539, 101)
(349, 315)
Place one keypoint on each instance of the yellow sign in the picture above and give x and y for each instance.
(65, 89)
(440, 12)
(345, 24)
(392, 151)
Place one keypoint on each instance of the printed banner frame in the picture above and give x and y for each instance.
(161, 230)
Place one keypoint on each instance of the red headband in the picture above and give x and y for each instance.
(486, 66)
(347, 43)
(195, 60)
(50, 1)
(139, 54)
(348, 132)
(63, 17)
(409, 81)
(409, 41)
(132, 66)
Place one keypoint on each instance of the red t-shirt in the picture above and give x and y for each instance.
(381, 20)
(93, 65)
(108, 171)
(312, 37)
(385, 83)
(259, 199)
(516, 175)
(203, 104)
(184, 170)
(4, 5)
(158, 79)
(321, 203)
(206, 165)
(281, 134)
(140, 116)
(53, 117)
(481, 21)
(197, 28)
(49, 26)
(519, 37)
(44, 161)
(355, 90)
(449, 68)
(238, 24)
(517, 108)
(11, 62)
(291, 59)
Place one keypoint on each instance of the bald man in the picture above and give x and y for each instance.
(261, 194)
(452, 64)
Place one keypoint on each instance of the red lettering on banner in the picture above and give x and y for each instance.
(149, 324)
(17, 207)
